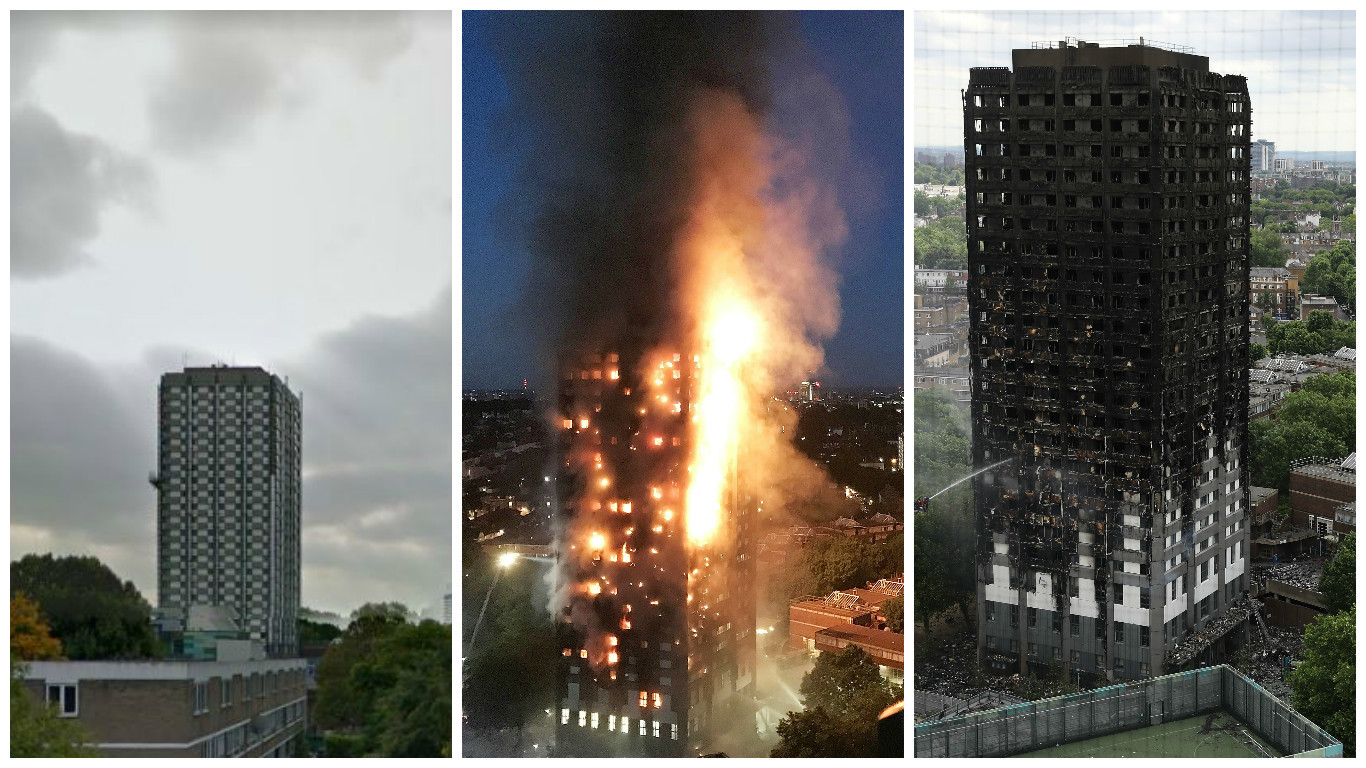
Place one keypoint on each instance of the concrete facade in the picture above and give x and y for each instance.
(229, 487)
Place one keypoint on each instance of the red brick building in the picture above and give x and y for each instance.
(1323, 495)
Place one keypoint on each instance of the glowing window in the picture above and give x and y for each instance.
(656, 699)
(564, 717)
(611, 722)
(656, 724)
(673, 731)
(642, 726)
(593, 720)
(568, 652)
(583, 717)
(583, 653)
(644, 697)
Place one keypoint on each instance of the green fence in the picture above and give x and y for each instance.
(1038, 724)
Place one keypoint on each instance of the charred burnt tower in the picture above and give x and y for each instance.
(1107, 223)
(656, 635)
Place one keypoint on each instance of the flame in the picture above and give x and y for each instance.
(730, 336)
(596, 541)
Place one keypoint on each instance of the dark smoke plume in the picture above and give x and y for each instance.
(606, 98)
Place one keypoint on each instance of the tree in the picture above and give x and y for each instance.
(1266, 301)
(1338, 384)
(942, 244)
(1327, 403)
(895, 611)
(407, 680)
(944, 572)
(508, 675)
(386, 684)
(922, 204)
(29, 636)
(1274, 444)
(1256, 352)
(317, 632)
(1324, 684)
(1338, 582)
(812, 733)
(340, 703)
(35, 730)
(842, 695)
(92, 612)
(1334, 274)
(1268, 250)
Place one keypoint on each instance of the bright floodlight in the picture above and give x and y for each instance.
(506, 558)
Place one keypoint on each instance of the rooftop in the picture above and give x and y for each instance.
(853, 633)
(1141, 52)
(1339, 470)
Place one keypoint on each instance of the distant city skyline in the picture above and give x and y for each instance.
(1300, 65)
(259, 189)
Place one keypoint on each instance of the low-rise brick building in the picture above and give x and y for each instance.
(144, 709)
(1320, 491)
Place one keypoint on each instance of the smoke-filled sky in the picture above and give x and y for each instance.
(257, 189)
(831, 80)
(1300, 65)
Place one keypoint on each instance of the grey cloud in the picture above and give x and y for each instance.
(80, 453)
(60, 182)
(231, 68)
(377, 454)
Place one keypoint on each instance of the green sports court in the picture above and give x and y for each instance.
(1210, 712)
(1217, 734)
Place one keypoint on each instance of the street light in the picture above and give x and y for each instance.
(505, 561)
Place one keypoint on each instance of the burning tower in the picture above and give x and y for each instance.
(657, 633)
(678, 239)
(1108, 283)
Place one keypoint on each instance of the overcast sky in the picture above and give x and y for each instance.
(268, 190)
(1300, 65)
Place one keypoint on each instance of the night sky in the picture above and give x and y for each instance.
(860, 53)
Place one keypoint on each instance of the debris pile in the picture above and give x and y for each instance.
(1266, 660)
(1302, 573)
(1235, 613)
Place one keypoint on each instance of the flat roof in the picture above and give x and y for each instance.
(869, 597)
(199, 671)
(819, 606)
(1333, 472)
(878, 638)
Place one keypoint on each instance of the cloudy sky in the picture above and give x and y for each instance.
(1300, 65)
(268, 190)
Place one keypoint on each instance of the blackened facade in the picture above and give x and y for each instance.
(1108, 271)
